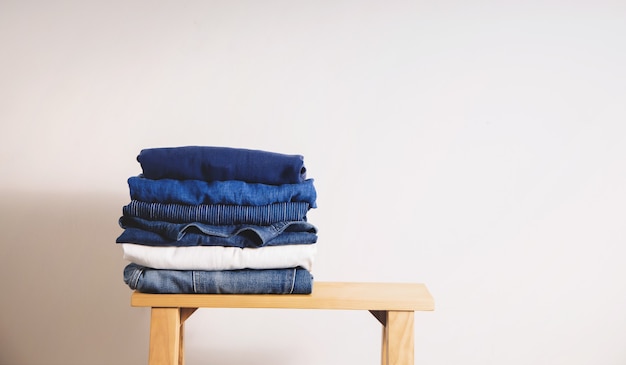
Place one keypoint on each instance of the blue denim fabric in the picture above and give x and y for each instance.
(220, 164)
(143, 237)
(247, 281)
(218, 214)
(194, 192)
(242, 235)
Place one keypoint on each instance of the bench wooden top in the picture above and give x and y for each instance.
(325, 295)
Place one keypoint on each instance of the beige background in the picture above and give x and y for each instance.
(476, 146)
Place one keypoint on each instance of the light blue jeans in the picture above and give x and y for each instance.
(193, 192)
(247, 281)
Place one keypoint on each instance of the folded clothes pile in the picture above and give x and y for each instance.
(219, 220)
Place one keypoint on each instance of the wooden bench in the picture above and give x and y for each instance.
(392, 304)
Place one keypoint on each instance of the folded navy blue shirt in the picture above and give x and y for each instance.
(221, 163)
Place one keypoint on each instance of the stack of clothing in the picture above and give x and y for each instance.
(216, 220)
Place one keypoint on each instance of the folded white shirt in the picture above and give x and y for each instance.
(220, 257)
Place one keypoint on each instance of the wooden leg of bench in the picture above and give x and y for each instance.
(165, 333)
(398, 341)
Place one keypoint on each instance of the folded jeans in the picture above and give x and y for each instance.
(257, 235)
(269, 281)
(234, 192)
(217, 214)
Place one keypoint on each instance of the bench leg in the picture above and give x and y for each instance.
(398, 342)
(166, 335)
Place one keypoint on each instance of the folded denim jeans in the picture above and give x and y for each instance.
(269, 281)
(158, 233)
(193, 192)
(219, 257)
(221, 163)
(217, 214)
(143, 237)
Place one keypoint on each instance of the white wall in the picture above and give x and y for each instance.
(477, 147)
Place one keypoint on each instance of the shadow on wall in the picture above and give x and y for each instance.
(63, 297)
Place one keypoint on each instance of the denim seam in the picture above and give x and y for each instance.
(193, 281)
(293, 280)
(136, 275)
